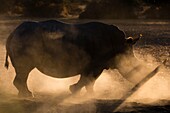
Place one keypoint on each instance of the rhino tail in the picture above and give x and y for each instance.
(6, 61)
(7, 49)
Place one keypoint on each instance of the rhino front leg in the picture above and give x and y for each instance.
(87, 80)
(75, 88)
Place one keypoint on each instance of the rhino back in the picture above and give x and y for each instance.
(97, 38)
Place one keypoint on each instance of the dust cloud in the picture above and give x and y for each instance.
(52, 94)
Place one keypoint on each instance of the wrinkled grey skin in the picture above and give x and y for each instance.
(63, 50)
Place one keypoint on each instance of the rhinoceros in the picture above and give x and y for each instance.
(62, 50)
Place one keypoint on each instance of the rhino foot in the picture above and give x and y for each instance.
(25, 94)
(74, 90)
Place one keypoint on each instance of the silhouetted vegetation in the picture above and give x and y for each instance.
(157, 9)
(41, 8)
(111, 9)
(103, 9)
(127, 9)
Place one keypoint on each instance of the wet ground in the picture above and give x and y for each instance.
(153, 48)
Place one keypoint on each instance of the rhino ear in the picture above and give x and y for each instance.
(131, 40)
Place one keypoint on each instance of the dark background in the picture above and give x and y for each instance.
(88, 9)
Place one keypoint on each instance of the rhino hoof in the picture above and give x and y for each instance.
(28, 94)
(74, 89)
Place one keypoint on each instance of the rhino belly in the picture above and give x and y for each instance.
(63, 65)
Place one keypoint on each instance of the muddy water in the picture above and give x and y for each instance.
(52, 94)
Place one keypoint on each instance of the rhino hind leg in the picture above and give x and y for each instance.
(20, 82)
